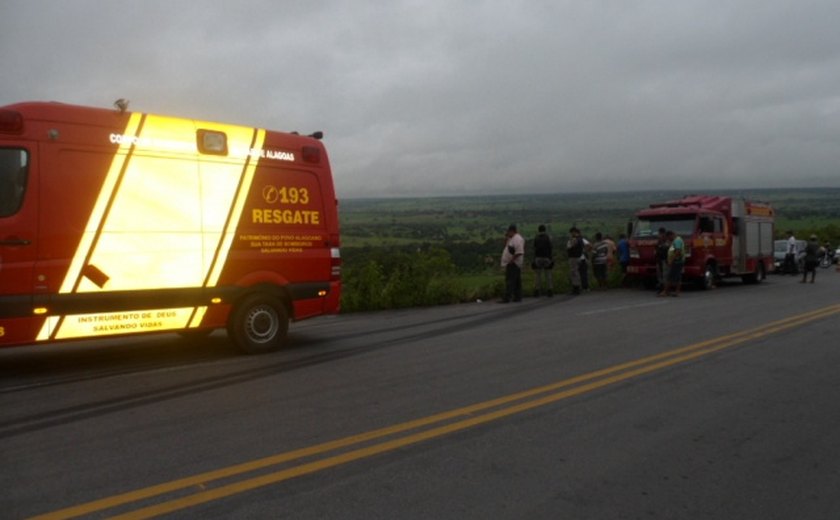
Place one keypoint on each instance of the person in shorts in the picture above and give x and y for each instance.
(676, 261)
(600, 260)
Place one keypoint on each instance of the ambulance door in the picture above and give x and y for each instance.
(18, 241)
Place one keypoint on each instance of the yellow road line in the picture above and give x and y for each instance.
(595, 380)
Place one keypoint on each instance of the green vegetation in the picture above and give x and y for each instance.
(429, 251)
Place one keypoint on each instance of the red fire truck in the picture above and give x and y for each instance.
(724, 236)
(115, 222)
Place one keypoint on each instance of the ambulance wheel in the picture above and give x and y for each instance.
(259, 324)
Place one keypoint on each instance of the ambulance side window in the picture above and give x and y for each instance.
(14, 166)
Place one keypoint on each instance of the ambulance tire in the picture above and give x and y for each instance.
(259, 324)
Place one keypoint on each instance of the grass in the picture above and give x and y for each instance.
(384, 222)
(470, 229)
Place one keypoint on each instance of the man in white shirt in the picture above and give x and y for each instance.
(791, 255)
(513, 256)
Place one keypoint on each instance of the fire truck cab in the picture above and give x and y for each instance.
(724, 236)
(115, 222)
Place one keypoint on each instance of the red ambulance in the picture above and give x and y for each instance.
(115, 222)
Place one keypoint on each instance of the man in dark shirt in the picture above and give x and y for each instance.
(543, 263)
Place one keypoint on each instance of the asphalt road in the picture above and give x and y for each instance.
(616, 404)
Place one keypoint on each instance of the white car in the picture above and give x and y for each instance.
(779, 250)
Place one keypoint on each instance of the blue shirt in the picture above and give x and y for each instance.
(623, 251)
(677, 251)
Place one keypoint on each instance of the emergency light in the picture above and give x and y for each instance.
(212, 142)
(11, 121)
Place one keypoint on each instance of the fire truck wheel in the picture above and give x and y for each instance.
(259, 324)
(709, 276)
(755, 277)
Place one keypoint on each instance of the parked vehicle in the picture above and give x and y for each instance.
(724, 236)
(115, 223)
(780, 252)
(826, 257)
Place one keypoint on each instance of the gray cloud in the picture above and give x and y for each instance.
(434, 97)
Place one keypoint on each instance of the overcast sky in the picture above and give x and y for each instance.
(435, 97)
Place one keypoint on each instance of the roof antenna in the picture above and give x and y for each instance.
(121, 105)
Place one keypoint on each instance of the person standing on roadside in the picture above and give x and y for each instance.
(574, 248)
(827, 254)
(612, 248)
(676, 260)
(812, 251)
(791, 255)
(623, 251)
(543, 263)
(662, 246)
(583, 266)
(512, 258)
(600, 260)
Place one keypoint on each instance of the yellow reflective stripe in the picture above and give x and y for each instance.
(91, 229)
(197, 316)
(151, 236)
(166, 215)
(100, 208)
(236, 213)
(123, 322)
(46, 329)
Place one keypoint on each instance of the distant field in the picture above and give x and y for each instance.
(426, 251)
(402, 222)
